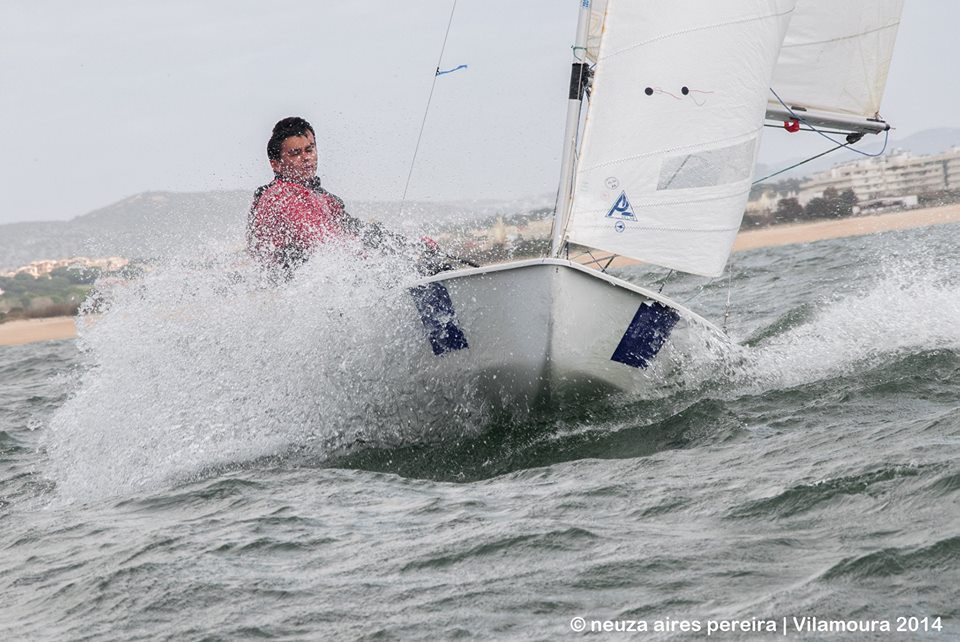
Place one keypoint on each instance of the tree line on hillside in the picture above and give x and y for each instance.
(59, 293)
(783, 187)
(832, 205)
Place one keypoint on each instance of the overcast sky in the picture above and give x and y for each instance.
(102, 100)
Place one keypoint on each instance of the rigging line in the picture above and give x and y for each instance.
(839, 145)
(726, 312)
(664, 281)
(803, 120)
(677, 172)
(426, 111)
(795, 165)
(695, 296)
(450, 71)
(587, 252)
(832, 149)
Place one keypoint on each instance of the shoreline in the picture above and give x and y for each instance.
(21, 332)
(802, 233)
(799, 233)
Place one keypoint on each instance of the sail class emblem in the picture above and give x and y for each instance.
(622, 209)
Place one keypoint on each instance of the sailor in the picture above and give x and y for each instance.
(293, 214)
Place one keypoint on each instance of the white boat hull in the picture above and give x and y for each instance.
(533, 333)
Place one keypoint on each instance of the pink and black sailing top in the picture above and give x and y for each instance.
(288, 219)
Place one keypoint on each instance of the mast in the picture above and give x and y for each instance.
(578, 79)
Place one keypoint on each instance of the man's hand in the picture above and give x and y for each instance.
(431, 259)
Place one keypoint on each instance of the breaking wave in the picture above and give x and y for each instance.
(909, 309)
(204, 362)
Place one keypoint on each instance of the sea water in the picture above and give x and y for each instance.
(217, 457)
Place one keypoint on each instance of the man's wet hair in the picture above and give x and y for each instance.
(292, 126)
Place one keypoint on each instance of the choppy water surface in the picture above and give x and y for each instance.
(218, 460)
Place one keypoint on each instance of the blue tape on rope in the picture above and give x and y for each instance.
(450, 71)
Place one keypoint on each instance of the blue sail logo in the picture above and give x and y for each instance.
(622, 209)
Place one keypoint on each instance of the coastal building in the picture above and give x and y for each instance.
(899, 175)
(499, 231)
(42, 268)
(499, 234)
(763, 206)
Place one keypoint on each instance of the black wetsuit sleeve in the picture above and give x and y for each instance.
(373, 235)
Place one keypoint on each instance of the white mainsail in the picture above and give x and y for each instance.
(835, 58)
(672, 129)
(598, 15)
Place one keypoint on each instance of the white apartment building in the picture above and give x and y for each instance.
(37, 269)
(899, 174)
(766, 203)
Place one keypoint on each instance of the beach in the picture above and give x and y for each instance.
(13, 333)
(800, 233)
(856, 226)
(58, 328)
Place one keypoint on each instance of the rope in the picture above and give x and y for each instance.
(832, 140)
(795, 165)
(450, 71)
(664, 281)
(426, 111)
(726, 312)
(839, 145)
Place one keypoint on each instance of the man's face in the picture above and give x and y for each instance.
(298, 158)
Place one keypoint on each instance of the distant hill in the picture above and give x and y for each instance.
(148, 224)
(928, 141)
(155, 224)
